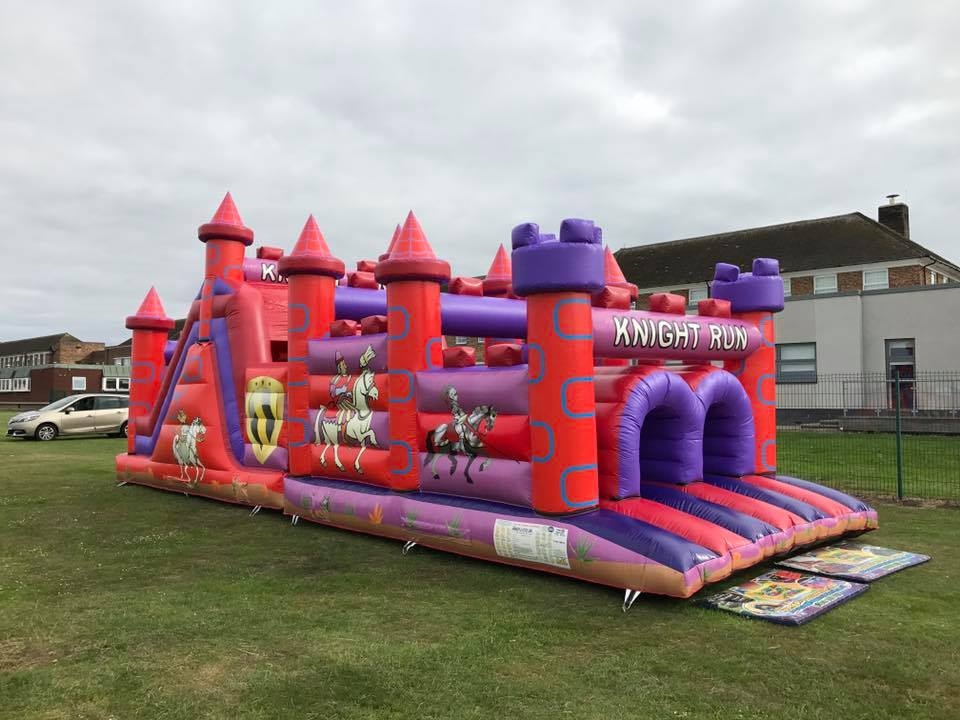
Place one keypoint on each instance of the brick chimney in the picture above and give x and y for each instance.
(895, 215)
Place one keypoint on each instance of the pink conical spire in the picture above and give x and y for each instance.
(311, 240)
(611, 268)
(501, 268)
(412, 243)
(151, 315)
(227, 213)
(393, 244)
(499, 279)
(613, 275)
(411, 257)
(226, 224)
(152, 306)
(311, 255)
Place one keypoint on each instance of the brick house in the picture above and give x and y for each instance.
(843, 253)
(865, 304)
(35, 371)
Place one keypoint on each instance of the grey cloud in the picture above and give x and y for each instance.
(121, 129)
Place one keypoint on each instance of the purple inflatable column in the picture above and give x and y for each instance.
(558, 278)
(754, 297)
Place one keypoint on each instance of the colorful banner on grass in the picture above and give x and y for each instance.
(852, 561)
(785, 597)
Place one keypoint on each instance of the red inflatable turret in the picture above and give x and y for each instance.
(392, 245)
(226, 238)
(498, 283)
(412, 275)
(617, 294)
(312, 274)
(150, 329)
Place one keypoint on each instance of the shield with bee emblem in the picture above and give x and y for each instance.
(264, 415)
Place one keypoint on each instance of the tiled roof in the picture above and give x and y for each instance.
(838, 241)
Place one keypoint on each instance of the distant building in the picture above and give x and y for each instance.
(843, 253)
(864, 303)
(35, 371)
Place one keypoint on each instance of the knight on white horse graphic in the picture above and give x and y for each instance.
(185, 443)
(354, 425)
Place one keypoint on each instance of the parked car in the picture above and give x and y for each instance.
(87, 414)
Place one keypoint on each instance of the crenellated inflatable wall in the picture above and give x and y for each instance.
(631, 448)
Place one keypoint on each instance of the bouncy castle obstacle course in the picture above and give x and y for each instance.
(576, 449)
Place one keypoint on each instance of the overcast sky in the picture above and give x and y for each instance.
(121, 129)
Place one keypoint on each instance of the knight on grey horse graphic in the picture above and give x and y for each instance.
(463, 435)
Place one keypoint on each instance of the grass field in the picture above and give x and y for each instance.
(867, 462)
(134, 603)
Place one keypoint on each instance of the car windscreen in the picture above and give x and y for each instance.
(56, 405)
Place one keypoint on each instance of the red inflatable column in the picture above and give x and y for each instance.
(754, 297)
(150, 329)
(412, 275)
(227, 239)
(312, 274)
(558, 278)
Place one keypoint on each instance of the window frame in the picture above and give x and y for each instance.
(825, 292)
(706, 295)
(876, 286)
(787, 287)
(802, 377)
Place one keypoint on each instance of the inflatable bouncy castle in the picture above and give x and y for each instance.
(631, 448)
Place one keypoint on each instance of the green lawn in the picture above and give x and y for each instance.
(867, 462)
(135, 603)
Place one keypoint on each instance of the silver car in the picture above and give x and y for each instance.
(87, 414)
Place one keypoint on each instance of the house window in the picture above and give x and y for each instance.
(78, 383)
(461, 340)
(6, 385)
(876, 279)
(121, 361)
(115, 384)
(696, 295)
(786, 287)
(824, 284)
(797, 363)
(932, 277)
(21, 384)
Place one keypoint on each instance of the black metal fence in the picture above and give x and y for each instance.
(894, 435)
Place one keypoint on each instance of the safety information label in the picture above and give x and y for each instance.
(535, 543)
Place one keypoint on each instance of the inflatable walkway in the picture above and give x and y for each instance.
(577, 449)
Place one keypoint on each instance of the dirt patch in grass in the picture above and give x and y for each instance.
(17, 654)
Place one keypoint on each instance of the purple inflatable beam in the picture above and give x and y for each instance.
(616, 333)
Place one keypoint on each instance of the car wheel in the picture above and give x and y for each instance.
(47, 431)
(123, 430)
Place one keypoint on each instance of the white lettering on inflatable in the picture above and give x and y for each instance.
(545, 544)
(716, 334)
(741, 333)
(269, 273)
(633, 332)
(621, 333)
(665, 334)
(641, 334)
